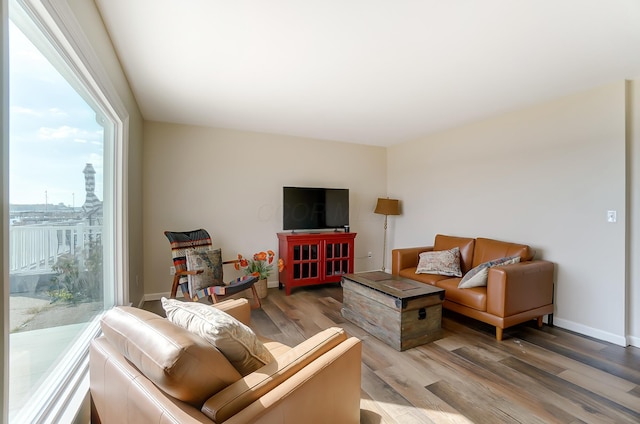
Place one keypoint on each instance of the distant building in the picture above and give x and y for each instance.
(92, 207)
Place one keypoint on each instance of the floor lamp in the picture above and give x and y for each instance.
(386, 207)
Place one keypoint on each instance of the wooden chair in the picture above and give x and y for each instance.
(200, 241)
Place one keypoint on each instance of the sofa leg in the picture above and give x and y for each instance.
(499, 334)
(550, 320)
(540, 322)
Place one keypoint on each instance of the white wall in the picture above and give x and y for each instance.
(230, 183)
(544, 176)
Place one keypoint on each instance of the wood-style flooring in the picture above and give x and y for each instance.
(546, 375)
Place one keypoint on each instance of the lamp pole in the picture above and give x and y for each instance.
(386, 207)
(384, 246)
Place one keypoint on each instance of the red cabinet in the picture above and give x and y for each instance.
(314, 258)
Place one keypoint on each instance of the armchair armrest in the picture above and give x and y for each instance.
(237, 308)
(520, 287)
(244, 392)
(406, 257)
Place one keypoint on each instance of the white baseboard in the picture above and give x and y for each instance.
(590, 331)
(634, 341)
(155, 296)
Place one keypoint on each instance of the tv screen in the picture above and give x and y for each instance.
(311, 208)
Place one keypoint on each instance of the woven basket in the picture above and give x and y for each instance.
(261, 288)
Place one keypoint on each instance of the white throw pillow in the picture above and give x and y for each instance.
(237, 342)
(441, 262)
(477, 277)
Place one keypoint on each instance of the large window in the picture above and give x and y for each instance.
(63, 143)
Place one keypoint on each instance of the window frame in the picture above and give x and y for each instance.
(58, 23)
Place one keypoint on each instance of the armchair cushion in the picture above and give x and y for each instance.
(210, 262)
(238, 396)
(477, 277)
(238, 343)
(443, 262)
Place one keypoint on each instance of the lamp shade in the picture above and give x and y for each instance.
(387, 207)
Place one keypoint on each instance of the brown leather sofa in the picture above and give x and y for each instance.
(141, 357)
(514, 293)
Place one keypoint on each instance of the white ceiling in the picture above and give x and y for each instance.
(375, 72)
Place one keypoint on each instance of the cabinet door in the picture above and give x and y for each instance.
(337, 259)
(306, 261)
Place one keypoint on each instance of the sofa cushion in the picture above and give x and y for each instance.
(465, 244)
(475, 298)
(175, 360)
(488, 249)
(443, 262)
(477, 277)
(410, 273)
(236, 341)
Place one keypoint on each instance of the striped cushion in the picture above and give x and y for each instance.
(181, 241)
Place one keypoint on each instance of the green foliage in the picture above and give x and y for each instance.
(258, 268)
(72, 284)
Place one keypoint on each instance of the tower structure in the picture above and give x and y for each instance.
(91, 204)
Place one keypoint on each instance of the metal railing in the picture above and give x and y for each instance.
(36, 248)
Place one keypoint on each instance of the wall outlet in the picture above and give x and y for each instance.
(612, 216)
(172, 270)
(369, 255)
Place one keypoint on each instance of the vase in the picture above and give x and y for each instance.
(261, 288)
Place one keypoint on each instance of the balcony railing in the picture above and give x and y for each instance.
(35, 249)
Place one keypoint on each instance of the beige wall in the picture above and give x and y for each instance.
(230, 183)
(94, 30)
(543, 176)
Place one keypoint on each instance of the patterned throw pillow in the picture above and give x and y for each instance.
(210, 261)
(477, 277)
(441, 262)
(237, 342)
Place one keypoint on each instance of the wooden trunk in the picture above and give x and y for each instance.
(402, 324)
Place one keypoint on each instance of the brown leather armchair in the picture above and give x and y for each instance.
(142, 357)
(514, 293)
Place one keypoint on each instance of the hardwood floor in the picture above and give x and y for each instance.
(546, 375)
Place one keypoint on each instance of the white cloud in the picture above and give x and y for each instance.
(58, 112)
(74, 134)
(19, 110)
(64, 131)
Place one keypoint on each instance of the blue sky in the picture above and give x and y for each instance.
(53, 131)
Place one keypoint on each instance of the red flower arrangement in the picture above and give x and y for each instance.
(260, 265)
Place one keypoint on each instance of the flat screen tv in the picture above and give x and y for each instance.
(312, 208)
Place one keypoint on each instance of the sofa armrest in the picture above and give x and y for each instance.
(516, 288)
(237, 308)
(406, 257)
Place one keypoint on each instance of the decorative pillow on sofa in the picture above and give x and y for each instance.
(441, 262)
(477, 277)
(237, 342)
(210, 261)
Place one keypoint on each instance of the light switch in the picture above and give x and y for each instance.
(612, 216)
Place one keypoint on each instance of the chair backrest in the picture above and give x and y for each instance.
(183, 240)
